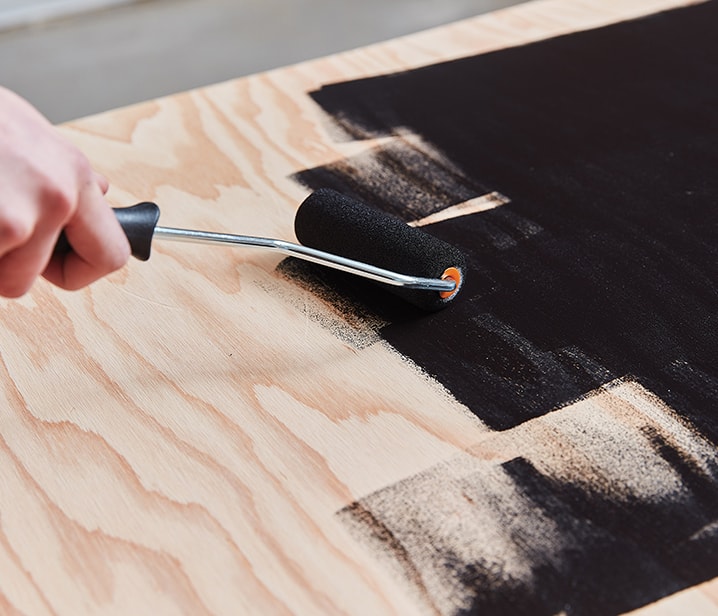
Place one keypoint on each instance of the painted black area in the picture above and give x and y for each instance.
(613, 554)
(631, 553)
(405, 179)
(606, 142)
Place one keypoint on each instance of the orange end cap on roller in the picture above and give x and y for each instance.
(451, 273)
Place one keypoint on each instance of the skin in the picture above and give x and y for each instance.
(46, 186)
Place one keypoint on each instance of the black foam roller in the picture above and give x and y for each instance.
(335, 223)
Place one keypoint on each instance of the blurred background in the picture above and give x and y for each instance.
(72, 58)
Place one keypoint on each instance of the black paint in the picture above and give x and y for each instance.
(613, 555)
(404, 178)
(605, 262)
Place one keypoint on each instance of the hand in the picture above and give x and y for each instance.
(47, 185)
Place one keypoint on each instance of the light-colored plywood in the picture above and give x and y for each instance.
(178, 438)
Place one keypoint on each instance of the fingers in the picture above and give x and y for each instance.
(16, 227)
(16, 275)
(29, 226)
(26, 252)
(29, 234)
(28, 239)
(47, 186)
(99, 246)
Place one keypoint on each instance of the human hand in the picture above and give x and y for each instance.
(46, 186)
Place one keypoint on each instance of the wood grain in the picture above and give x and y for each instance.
(178, 438)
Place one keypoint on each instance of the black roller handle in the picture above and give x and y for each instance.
(137, 221)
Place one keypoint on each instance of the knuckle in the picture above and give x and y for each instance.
(83, 169)
(14, 231)
(59, 202)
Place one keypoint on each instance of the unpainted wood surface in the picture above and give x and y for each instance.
(178, 438)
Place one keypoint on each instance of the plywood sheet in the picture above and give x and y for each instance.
(222, 431)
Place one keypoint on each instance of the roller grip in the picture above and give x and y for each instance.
(137, 221)
(329, 221)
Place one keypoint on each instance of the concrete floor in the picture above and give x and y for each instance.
(101, 60)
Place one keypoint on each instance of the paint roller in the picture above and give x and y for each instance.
(335, 231)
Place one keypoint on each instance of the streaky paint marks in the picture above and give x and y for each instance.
(603, 264)
(515, 527)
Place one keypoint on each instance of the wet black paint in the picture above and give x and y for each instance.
(606, 142)
(604, 264)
